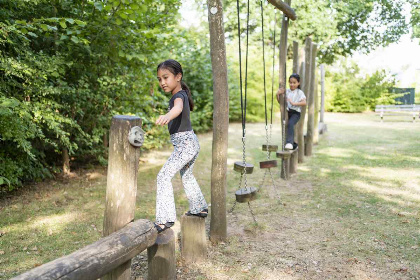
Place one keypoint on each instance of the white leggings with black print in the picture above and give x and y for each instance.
(186, 148)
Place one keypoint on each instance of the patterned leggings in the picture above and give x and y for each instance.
(186, 148)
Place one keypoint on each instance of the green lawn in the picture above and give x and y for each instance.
(351, 211)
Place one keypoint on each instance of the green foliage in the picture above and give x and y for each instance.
(348, 91)
(66, 67)
(415, 18)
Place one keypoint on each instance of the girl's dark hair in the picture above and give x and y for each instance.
(297, 77)
(175, 68)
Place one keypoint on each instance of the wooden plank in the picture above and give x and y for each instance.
(285, 8)
(218, 223)
(99, 258)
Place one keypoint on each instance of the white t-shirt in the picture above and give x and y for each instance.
(296, 96)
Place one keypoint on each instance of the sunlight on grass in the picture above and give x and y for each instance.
(387, 192)
(337, 152)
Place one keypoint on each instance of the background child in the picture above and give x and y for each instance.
(186, 148)
(295, 99)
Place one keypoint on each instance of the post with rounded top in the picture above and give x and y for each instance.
(121, 191)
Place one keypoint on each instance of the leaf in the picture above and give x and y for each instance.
(70, 20)
(118, 21)
(64, 37)
(63, 24)
(80, 23)
(44, 27)
(75, 39)
(33, 34)
(98, 5)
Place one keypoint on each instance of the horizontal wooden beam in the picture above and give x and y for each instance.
(286, 9)
(99, 258)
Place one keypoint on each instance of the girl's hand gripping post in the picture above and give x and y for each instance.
(280, 91)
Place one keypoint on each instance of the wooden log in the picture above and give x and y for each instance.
(161, 257)
(285, 8)
(294, 161)
(121, 191)
(305, 85)
(218, 223)
(193, 239)
(311, 105)
(99, 258)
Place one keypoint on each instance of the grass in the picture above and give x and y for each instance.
(351, 211)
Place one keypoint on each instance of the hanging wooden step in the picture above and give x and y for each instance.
(268, 164)
(240, 167)
(246, 194)
(284, 154)
(270, 148)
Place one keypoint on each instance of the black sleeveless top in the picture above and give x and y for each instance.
(182, 122)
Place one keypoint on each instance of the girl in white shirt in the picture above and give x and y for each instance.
(295, 99)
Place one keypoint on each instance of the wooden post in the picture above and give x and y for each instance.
(218, 223)
(285, 8)
(99, 258)
(294, 161)
(305, 86)
(295, 57)
(121, 190)
(193, 239)
(285, 156)
(316, 116)
(161, 257)
(294, 158)
(311, 105)
(283, 83)
(321, 117)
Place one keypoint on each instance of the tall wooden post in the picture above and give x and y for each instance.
(321, 117)
(121, 190)
(311, 105)
(316, 117)
(305, 86)
(283, 83)
(294, 157)
(218, 223)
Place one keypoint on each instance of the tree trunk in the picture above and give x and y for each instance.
(66, 162)
(316, 117)
(218, 224)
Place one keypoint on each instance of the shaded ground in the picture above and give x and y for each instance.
(351, 211)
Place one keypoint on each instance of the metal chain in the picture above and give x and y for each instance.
(252, 213)
(244, 162)
(233, 207)
(263, 180)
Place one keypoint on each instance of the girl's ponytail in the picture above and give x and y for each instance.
(175, 68)
(187, 89)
